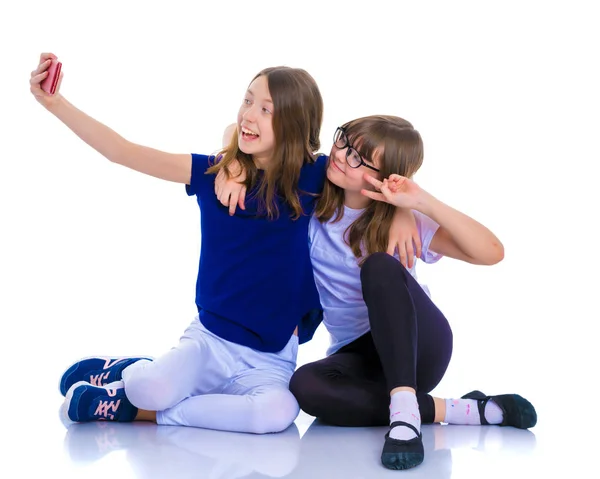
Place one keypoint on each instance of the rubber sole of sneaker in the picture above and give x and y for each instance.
(64, 409)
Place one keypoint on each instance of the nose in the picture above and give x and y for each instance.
(250, 114)
(340, 154)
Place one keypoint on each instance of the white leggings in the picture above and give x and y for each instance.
(208, 382)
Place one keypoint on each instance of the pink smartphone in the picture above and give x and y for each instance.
(51, 81)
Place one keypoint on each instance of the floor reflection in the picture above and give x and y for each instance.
(324, 451)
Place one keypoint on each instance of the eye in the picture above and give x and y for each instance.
(354, 157)
(266, 110)
(247, 101)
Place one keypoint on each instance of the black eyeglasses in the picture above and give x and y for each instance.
(353, 158)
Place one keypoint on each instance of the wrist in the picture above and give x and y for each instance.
(425, 203)
(57, 102)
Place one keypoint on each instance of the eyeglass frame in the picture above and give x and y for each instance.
(350, 147)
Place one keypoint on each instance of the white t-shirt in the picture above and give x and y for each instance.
(337, 275)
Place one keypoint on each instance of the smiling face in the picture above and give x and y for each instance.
(255, 122)
(351, 180)
(387, 143)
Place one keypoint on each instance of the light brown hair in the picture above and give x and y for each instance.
(297, 118)
(399, 149)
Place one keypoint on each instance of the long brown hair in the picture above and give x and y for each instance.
(399, 149)
(297, 118)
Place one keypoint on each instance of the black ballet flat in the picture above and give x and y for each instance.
(402, 454)
(518, 411)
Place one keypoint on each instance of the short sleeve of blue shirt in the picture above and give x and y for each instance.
(199, 180)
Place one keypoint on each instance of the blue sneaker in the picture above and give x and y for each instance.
(97, 371)
(85, 402)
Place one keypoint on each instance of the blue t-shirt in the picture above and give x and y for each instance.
(255, 280)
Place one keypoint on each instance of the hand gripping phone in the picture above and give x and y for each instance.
(51, 81)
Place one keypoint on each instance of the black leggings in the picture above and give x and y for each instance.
(410, 344)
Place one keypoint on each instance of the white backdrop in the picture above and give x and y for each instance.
(96, 258)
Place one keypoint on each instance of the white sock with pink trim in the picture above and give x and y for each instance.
(404, 407)
(464, 411)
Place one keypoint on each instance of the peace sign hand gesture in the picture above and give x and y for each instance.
(396, 190)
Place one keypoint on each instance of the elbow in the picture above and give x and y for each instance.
(228, 134)
(121, 152)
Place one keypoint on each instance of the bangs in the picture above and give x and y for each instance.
(365, 139)
(390, 142)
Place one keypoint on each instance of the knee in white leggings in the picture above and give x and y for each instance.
(272, 411)
(147, 389)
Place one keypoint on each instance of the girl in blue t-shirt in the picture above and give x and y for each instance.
(390, 344)
(232, 366)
